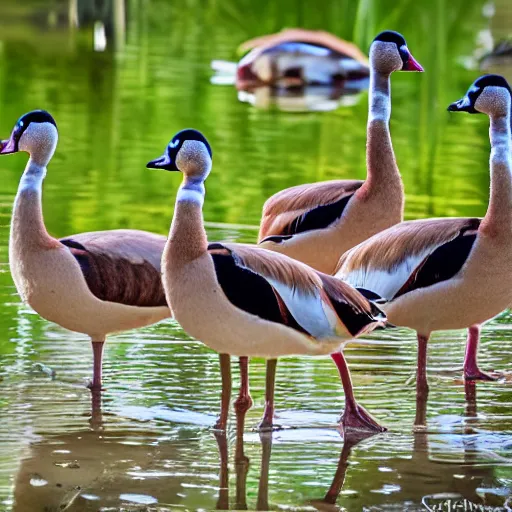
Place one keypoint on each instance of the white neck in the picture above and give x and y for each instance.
(499, 213)
(191, 190)
(33, 177)
(380, 101)
(27, 223)
(383, 176)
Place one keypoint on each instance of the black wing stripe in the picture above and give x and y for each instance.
(278, 239)
(444, 263)
(249, 291)
(318, 218)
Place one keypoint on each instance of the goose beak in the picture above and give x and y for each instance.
(462, 105)
(162, 162)
(413, 65)
(8, 146)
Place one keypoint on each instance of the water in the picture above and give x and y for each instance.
(151, 448)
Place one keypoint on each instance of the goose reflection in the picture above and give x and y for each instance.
(419, 471)
(98, 469)
(314, 98)
(440, 470)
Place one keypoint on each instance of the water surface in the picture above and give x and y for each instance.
(152, 446)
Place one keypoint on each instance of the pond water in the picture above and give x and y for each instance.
(151, 446)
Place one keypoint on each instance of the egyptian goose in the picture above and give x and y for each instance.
(247, 301)
(93, 283)
(317, 222)
(448, 273)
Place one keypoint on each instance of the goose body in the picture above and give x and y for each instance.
(93, 283)
(248, 301)
(255, 303)
(448, 273)
(50, 278)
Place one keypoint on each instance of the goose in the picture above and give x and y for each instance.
(298, 57)
(246, 301)
(448, 273)
(317, 222)
(93, 283)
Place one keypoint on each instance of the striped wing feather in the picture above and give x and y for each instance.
(305, 207)
(282, 290)
(410, 255)
(121, 266)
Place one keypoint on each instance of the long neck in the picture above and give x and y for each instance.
(187, 238)
(380, 157)
(499, 213)
(27, 224)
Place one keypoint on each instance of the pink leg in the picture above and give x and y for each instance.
(267, 423)
(421, 382)
(354, 416)
(225, 372)
(97, 354)
(471, 370)
(244, 401)
(421, 375)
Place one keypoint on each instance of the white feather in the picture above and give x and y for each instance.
(384, 283)
(307, 309)
(187, 194)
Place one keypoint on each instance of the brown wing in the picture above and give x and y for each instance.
(306, 207)
(284, 290)
(121, 266)
(316, 37)
(278, 267)
(410, 255)
(390, 248)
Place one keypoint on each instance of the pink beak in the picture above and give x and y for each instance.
(413, 65)
(7, 146)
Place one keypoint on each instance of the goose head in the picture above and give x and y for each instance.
(187, 152)
(489, 94)
(35, 133)
(389, 53)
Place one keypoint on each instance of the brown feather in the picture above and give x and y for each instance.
(394, 245)
(316, 37)
(285, 206)
(121, 266)
(276, 266)
(339, 291)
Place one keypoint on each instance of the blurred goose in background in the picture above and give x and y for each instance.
(295, 58)
(499, 57)
(94, 283)
(317, 222)
(448, 273)
(246, 301)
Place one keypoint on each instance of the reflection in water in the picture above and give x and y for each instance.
(305, 99)
(421, 477)
(107, 18)
(69, 471)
